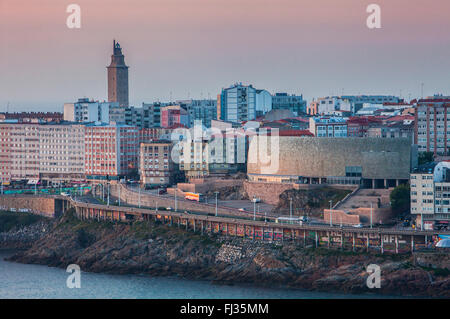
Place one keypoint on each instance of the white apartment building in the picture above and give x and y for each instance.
(88, 111)
(19, 152)
(430, 195)
(237, 103)
(33, 152)
(61, 152)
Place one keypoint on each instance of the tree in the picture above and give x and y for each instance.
(400, 198)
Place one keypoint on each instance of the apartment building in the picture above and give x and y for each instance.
(430, 195)
(47, 152)
(237, 103)
(174, 115)
(31, 117)
(61, 152)
(432, 125)
(19, 153)
(194, 157)
(111, 151)
(85, 110)
(326, 126)
(295, 103)
(200, 110)
(156, 166)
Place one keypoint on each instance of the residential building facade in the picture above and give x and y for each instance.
(111, 151)
(328, 126)
(156, 166)
(237, 103)
(430, 195)
(295, 103)
(432, 125)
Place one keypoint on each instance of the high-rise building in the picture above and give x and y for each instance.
(237, 103)
(432, 125)
(200, 110)
(110, 150)
(46, 152)
(173, 115)
(118, 77)
(85, 110)
(61, 155)
(294, 103)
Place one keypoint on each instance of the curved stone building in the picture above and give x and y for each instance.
(371, 162)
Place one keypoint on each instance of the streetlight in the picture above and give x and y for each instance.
(108, 195)
(331, 213)
(139, 196)
(290, 210)
(371, 213)
(119, 191)
(176, 191)
(254, 207)
(216, 193)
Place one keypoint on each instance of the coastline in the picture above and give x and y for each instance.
(149, 248)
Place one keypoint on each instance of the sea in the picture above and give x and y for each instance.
(25, 281)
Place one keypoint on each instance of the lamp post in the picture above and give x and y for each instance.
(216, 193)
(290, 210)
(139, 196)
(119, 191)
(254, 208)
(371, 213)
(331, 213)
(107, 203)
(176, 203)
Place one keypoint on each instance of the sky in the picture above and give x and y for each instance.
(194, 48)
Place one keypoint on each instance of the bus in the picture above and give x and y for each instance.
(194, 197)
(289, 220)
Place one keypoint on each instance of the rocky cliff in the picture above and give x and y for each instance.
(21, 230)
(155, 249)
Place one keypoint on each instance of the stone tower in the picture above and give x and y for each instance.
(118, 77)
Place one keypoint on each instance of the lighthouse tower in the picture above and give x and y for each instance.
(118, 77)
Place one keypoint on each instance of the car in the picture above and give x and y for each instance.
(358, 225)
(241, 209)
(304, 218)
(169, 208)
(65, 194)
(162, 191)
(256, 200)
